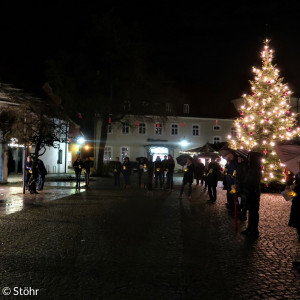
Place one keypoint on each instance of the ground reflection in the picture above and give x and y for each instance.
(13, 200)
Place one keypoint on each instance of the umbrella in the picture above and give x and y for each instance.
(238, 153)
(289, 155)
(211, 155)
(181, 159)
(141, 159)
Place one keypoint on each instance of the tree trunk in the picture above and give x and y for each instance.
(103, 138)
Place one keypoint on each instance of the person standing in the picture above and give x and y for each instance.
(117, 169)
(126, 169)
(294, 220)
(87, 170)
(42, 172)
(164, 168)
(241, 173)
(170, 171)
(188, 170)
(252, 188)
(158, 172)
(230, 180)
(77, 165)
(28, 170)
(150, 172)
(214, 170)
(140, 170)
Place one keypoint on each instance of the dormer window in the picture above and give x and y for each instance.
(186, 108)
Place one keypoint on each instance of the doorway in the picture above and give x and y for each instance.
(159, 151)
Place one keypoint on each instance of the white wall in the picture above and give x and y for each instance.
(139, 143)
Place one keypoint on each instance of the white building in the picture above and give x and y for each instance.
(137, 135)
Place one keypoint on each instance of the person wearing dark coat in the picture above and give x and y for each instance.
(158, 172)
(170, 171)
(28, 170)
(188, 170)
(77, 165)
(150, 172)
(252, 189)
(140, 170)
(294, 220)
(241, 173)
(117, 169)
(87, 170)
(214, 170)
(42, 172)
(126, 170)
(230, 179)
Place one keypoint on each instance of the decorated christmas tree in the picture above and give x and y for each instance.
(265, 117)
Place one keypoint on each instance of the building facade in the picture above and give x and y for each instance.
(137, 135)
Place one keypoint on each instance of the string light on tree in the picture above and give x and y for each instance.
(265, 117)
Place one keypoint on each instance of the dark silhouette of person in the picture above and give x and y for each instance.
(28, 170)
(158, 172)
(126, 170)
(150, 173)
(188, 170)
(164, 167)
(117, 169)
(78, 165)
(42, 172)
(87, 170)
(170, 171)
(230, 180)
(294, 220)
(252, 189)
(214, 170)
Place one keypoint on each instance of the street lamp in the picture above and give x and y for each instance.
(80, 142)
(184, 143)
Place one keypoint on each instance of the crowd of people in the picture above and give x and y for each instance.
(241, 179)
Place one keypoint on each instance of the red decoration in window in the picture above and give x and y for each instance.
(217, 122)
(158, 125)
(79, 116)
(137, 123)
(109, 120)
(183, 124)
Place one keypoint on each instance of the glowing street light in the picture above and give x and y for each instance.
(184, 143)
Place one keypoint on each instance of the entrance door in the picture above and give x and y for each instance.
(159, 151)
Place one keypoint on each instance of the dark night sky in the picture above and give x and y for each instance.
(206, 50)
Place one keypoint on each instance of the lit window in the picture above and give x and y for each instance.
(217, 139)
(196, 130)
(124, 152)
(174, 129)
(217, 127)
(158, 129)
(107, 153)
(142, 128)
(125, 128)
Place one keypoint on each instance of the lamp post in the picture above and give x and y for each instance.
(80, 142)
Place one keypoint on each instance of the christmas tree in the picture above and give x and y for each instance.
(265, 117)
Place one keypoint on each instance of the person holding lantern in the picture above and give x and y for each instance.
(158, 172)
(230, 179)
(126, 170)
(188, 171)
(294, 220)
